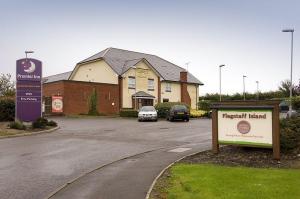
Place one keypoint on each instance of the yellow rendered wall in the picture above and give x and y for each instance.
(142, 74)
(98, 71)
(193, 92)
(174, 95)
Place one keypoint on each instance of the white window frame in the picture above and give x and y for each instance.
(168, 87)
(150, 84)
(131, 82)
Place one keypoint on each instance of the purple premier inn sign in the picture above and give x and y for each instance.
(29, 89)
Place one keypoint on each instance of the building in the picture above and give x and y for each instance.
(122, 79)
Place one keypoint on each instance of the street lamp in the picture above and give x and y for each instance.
(220, 73)
(244, 92)
(28, 52)
(257, 90)
(292, 43)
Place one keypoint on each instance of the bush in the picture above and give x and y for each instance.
(93, 103)
(7, 110)
(197, 113)
(164, 108)
(128, 113)
(17, 125)
(204, 105)
(51, 123)
(289, 133)
(40, 123)
(296, 103)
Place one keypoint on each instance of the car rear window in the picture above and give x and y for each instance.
(179, 108)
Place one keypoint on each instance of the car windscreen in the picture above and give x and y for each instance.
(147, 108)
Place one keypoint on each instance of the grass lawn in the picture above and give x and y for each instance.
(193, 181)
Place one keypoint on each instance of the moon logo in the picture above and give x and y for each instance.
(29, 67)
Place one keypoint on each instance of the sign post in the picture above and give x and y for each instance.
(246, 123)
(29, 90)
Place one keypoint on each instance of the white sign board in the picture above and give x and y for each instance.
(245, 127)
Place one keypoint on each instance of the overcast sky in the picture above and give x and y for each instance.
(244, 35)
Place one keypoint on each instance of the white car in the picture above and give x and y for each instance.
(147, 113)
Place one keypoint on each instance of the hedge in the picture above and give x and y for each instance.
(164, 108)
(128, 113)
(197, 113)
(289, 133)
(7, 110)
(204, 105)
(296, 103)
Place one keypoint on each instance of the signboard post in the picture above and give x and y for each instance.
(29, 90)
(246, 123)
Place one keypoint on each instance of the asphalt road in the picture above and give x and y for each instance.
(102, 158)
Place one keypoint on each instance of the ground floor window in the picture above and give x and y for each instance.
(165, 100)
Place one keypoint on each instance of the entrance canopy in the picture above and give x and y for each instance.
(142, 95)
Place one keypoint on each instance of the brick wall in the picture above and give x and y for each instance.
(76, 96)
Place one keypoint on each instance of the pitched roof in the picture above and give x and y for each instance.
(121, 60)
(57, 77)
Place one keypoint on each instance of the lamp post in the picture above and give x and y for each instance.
(220, 73)
(292, 43)
(244, 87)
(257, 90)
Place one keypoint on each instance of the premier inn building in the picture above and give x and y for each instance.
(121, 79)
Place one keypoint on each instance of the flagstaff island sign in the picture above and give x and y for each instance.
(29, 89)
(251, 123)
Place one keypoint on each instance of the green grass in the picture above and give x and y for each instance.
(199, 181)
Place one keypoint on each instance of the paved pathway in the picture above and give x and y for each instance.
(117, 158)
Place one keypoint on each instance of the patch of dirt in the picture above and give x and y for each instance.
(159, 191)
(246, 156)
(6, 131)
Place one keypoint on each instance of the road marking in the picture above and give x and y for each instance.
(179, 150)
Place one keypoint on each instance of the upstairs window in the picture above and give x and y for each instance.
(150, 84)
(131, 82)
(168, 87)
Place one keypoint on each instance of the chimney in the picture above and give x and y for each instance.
(185, 97)
(183, 76)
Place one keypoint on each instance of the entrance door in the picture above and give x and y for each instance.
(147, 102)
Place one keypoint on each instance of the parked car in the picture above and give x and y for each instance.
(147, 113)
(178, 112)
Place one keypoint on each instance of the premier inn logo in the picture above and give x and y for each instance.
(243, 127)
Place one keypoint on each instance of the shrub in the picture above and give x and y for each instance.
(51, 123)
(164, 108)
(296, 103)
(40, 123)
(93, 103)
(197, 113)
(7, 109)
(289, 133)
(128, 113)
(204, 105)
(17, 125)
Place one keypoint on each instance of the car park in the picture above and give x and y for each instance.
(147, 113)
(178, 112)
